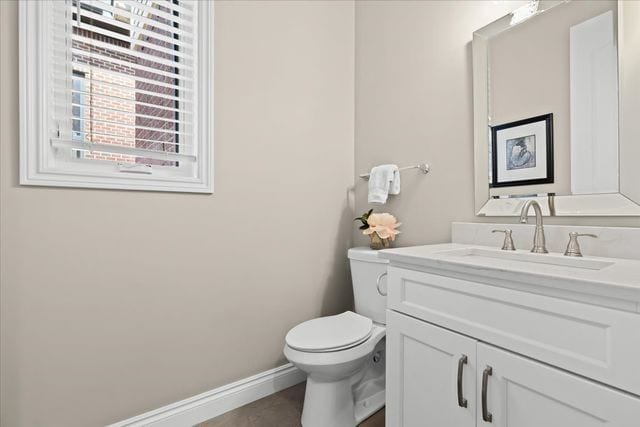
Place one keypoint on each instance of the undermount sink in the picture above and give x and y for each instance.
(481, 254)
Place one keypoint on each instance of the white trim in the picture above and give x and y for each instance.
(216, 402)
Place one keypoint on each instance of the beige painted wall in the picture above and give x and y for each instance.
(115, 303)
(414, 103)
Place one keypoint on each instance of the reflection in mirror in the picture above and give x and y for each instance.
(629, 108)
(593, 79)
(546, 105)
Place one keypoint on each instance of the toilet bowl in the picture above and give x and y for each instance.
(344, 355)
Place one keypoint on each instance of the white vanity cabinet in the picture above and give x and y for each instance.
(465, 350)
(422, 385)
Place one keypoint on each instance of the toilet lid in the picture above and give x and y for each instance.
(330, 333)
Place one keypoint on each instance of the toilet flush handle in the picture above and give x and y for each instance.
(384, 294)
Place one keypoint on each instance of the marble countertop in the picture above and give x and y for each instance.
(616, 285)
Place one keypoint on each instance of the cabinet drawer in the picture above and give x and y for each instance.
(596, 342)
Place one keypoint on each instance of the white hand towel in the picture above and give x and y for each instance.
(383, 180)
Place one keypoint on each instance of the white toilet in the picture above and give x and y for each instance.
(344, 355)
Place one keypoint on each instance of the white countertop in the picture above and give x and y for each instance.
(619, 281)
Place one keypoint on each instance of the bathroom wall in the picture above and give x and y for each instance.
(414, 103)
(115, 303)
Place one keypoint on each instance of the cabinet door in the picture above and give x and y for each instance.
(422, 375)
(525, 393)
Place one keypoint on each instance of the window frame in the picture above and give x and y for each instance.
(37, 164)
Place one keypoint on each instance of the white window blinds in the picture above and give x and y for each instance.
(123, 87)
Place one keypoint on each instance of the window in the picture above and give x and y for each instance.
(78, 103)
(116, 94)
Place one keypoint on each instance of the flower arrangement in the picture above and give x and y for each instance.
(380, 227)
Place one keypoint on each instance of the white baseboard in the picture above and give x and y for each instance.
(215, 402)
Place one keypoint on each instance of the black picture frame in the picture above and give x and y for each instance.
(549, 179)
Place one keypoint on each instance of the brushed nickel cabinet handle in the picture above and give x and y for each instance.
(462, 402)
(486, 415)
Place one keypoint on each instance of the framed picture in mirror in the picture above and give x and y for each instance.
(522, 152)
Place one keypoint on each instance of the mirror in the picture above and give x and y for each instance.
(556, 107)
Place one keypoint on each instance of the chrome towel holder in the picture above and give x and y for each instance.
(424, 168)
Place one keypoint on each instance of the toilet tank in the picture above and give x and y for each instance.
(366, 268)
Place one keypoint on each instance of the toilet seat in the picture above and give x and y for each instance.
(330, 333)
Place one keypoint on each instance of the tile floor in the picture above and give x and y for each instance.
(282, 409)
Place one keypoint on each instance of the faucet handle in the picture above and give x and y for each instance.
(507, 245)
(573, 247)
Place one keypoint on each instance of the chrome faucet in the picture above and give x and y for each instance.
(539, 241)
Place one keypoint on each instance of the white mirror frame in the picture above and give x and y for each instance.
(614, 204)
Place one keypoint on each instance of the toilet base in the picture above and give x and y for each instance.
(347, 402)
(369, 406)
(369, 390)
(331, 404)
(328, 404)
